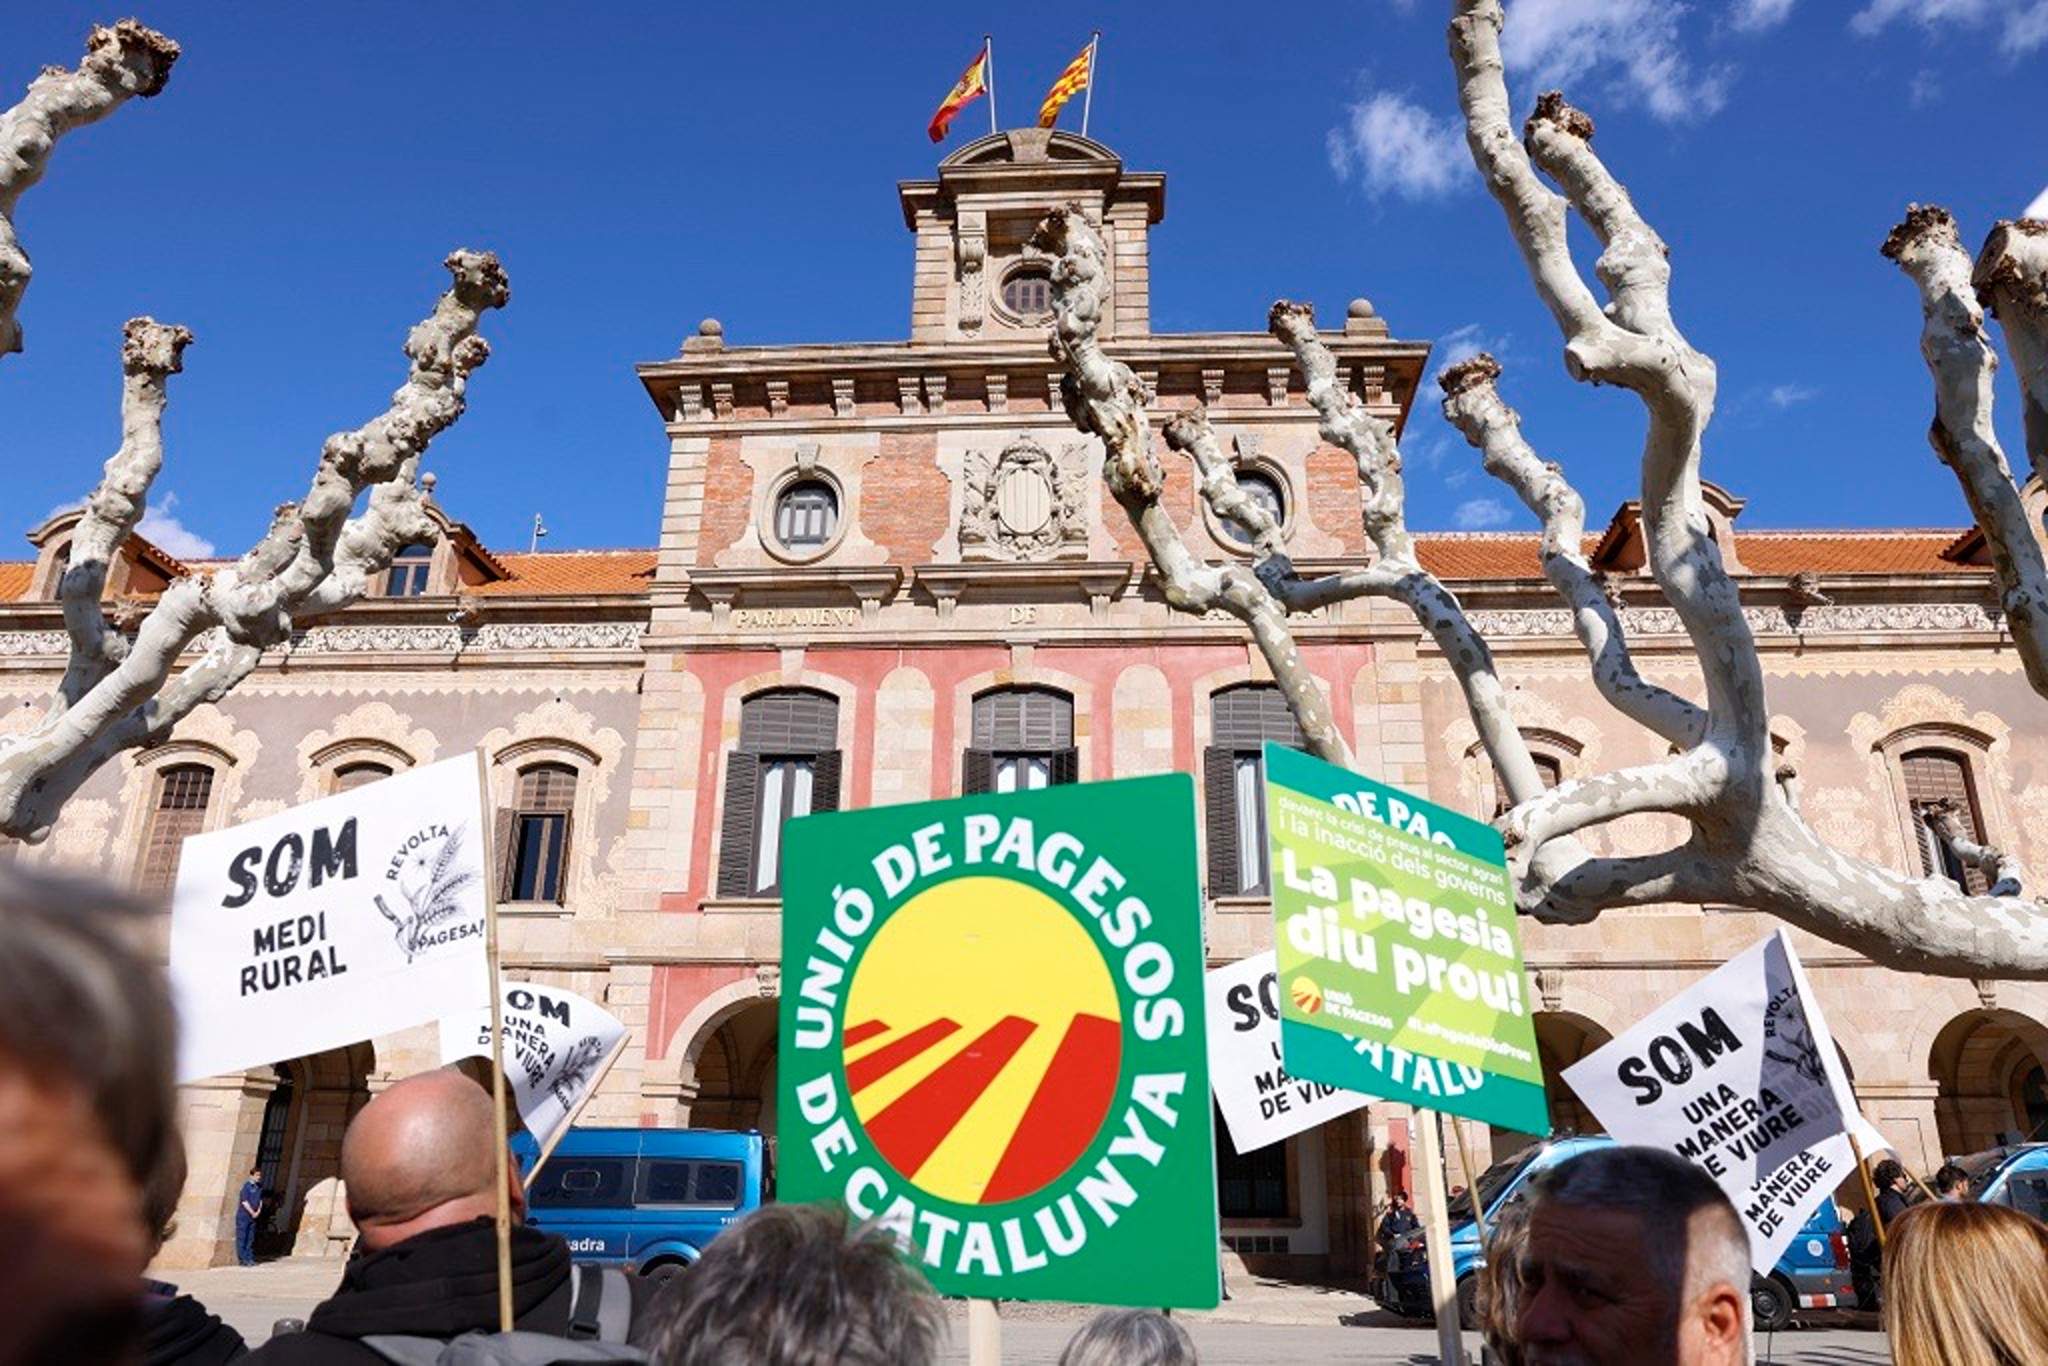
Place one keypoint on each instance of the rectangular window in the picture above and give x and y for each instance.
(582, 1183)
(537, 855)
(1248, 780)
(786, 786)
(1250, 1185)
(700, 1185)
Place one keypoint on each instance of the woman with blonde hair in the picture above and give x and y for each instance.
(1966, 1285)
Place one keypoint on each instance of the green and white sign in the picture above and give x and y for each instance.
(992, 1039)
(1399, 959)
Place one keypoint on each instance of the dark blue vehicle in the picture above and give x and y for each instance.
(2015, 1175)
(647, 1200)
(1813, 1273)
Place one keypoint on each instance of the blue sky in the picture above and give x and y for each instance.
(639, 166)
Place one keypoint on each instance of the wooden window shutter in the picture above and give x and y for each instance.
(825, 781)
(1066, 765)
(1934, 775)
(1219, 802)
(504, 842)
(736, 836)
(977, 772)
(562, 847)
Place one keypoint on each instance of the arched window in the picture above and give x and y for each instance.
(1241, 720)
(410, 570)
(533, 835)
(1933, 777)
(1022, 738)
(182, 791)
(786, 765)
(351, 776)
(1548, 766)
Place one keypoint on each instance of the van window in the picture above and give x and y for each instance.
(670, 1181)
(2027, 1192)
(582, 1183)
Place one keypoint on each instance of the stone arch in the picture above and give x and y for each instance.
(376, 732)
(1979, 1062)
(557, 732)
(1563, 1037)
(207, 735)
(1081, 690)
(676, 1073)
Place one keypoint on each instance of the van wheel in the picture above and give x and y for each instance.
(1770, 1304)
(662, 1272)
(1468, 1303)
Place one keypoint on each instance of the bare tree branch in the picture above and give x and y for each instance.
(2011, 279)
(122, 61)
(1946, 816)
(313, 559)
(1960, 360)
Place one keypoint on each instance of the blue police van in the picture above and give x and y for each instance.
(2015, 1175)
(646, 1200)
(1812, 1274)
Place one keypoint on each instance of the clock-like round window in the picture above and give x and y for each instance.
(806, 514)
(1027, 293)
(1264, 490)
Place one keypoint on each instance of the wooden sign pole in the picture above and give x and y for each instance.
(1436, 1226)
(1471, 1187)
(501, 1156)
(1869, 1191)
(548, 1148)
(984, 1334)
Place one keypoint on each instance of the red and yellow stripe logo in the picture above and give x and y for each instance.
(1002, 1075)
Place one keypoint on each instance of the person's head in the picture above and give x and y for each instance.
(1130, 1337)
(1399, 1199)
(1632, 1255)
(1499, 1297)
(1966, 1285)
(1889, 1175)
(255, 1173)
(86, 1108)
(422, 1155)
(1951, 1182)
(790, 1285)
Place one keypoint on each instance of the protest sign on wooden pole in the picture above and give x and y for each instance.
(1869, 1191)
(1436, 1226)
(500, 1155)
(547, 1149)
(984, 1334)
(1471, 1186)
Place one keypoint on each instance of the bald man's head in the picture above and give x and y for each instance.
(421, 1155)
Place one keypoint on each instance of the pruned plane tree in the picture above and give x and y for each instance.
(1745, 844)
(128, 682)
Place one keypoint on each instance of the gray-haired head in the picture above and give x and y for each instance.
(86, 1010)
(1130, 1337)
(1694, 1236)
(797, 1285)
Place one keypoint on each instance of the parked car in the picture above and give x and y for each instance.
(1813, 1273)
(2015, 1175)
(647, 1200)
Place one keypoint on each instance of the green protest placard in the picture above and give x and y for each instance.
(992, 1039)
(1399, 958)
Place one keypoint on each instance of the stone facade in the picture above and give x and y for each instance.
(891, 534)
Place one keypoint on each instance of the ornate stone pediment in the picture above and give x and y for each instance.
(1024, 503)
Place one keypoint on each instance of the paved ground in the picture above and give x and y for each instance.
(1267, 1322)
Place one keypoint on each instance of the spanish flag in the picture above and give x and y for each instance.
(1071, 82)
(971, 86)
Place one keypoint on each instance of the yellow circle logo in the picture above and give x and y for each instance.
(1004, 1075)
(1308, 997)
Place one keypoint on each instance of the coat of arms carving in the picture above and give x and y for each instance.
(1024, 503)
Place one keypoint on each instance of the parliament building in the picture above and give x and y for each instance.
(888, 571)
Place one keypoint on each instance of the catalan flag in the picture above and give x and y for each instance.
(971, 86)
(1076, 78)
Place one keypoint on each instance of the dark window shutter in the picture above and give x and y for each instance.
(1066, 765)
(1219, 801)
(736, 836)
(563, 844)
(503, 837)
(825, 781)
(977, 772)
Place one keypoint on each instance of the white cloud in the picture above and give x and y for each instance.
(2022, 24)
(1787, 395)
(1477, 514)
(1398, 147)
(172, 536)
(1754, 16)
(2039, 208)
(1556, 42)
(1925, 89)
(1461, 344)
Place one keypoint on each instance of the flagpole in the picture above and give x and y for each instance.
(548, 1149)
(988, 51)
(499, 1155)
(1088, 95)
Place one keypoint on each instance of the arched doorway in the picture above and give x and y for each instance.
(1991, 1071)
(298, 1149)
(735, 1066)
(1562, 1038)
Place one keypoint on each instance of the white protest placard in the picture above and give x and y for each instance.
(555, 1045)
(1261, 1104)
(1740, 1076)
(333, 922)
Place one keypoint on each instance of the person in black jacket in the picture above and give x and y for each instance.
(177, 1330)
(418, 1166)
(1866, 1250)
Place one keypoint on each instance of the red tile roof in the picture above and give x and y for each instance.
(1513, 555)
(572, 573)
(14, 578)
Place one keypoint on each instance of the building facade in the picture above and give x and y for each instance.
(888, 572)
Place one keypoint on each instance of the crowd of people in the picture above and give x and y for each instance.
(1620, 1255)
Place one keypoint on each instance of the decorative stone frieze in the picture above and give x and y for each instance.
(1914, 617)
